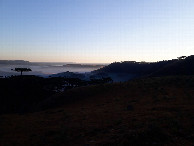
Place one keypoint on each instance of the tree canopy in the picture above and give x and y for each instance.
(22, 70)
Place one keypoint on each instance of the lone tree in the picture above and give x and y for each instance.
(22, 70)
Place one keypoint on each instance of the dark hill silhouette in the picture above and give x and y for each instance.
(22, 94)
(180, 66)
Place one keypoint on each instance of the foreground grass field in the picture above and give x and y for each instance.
(152, 111)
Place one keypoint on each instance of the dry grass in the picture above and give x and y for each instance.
(155, 111)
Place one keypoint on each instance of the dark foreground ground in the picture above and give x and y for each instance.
(153, 111)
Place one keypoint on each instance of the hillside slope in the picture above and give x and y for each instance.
(153, 111)
(184, 66)
(180, 67)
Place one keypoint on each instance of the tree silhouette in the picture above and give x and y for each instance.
(182, 57)
(22, 70)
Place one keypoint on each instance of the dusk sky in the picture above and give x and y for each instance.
(96, 31)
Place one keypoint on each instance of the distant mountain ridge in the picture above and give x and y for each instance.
(13, 62)
(181, 66)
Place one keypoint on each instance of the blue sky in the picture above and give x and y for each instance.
(96, 31)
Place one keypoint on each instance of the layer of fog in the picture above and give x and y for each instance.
(41, 70)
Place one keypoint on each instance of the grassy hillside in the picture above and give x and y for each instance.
(152, 111)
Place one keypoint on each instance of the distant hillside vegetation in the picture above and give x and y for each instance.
(181, 66)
